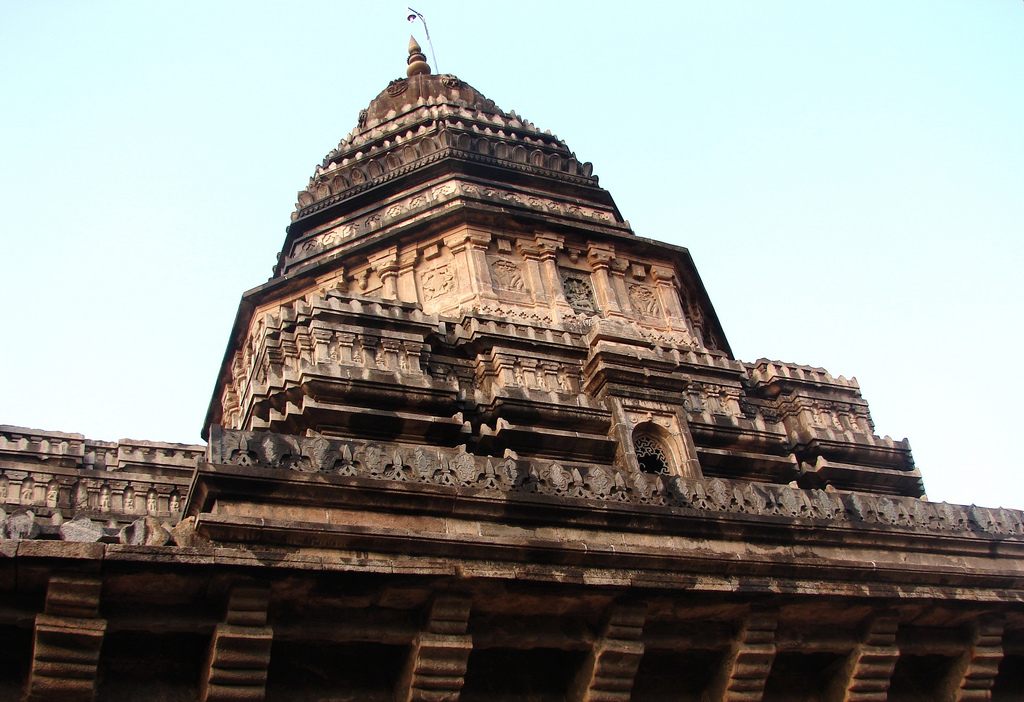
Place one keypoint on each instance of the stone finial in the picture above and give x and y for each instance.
(417, 61)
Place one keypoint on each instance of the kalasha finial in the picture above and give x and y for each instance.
(417, 61)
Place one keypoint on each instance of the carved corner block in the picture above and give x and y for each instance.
(437, 668)
(237, 663)
(972, 675)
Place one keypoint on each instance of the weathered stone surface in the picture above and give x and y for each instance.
(145, 531)
(184, 533)
(21, 526)
(81, 529)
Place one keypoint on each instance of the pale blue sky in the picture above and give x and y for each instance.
(847, 175)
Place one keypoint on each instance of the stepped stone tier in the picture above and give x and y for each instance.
(477, 440)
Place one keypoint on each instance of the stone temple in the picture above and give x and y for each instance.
(477, 440)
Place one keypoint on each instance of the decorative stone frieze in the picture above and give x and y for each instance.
(455, 467)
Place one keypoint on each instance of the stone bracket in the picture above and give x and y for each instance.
(746, 665)
(436, 668)
(868, 670)
(239, 655)
(68, 638)
(972, 676)
(608, 672)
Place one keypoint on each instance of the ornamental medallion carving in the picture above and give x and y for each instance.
(507, 275)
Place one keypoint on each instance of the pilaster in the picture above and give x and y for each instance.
(469, 245)
(406, 280)
(68, 637)
(385, 265)
(665, 279)
(600, 257)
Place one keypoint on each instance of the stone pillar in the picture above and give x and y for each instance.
(546, 251)
(385, 265)
(600, 257)
(971, 677)
(406, 277)
(607, 673)
(665, 278)
(436, 669)
(868, 670)
(617, 271)
(68, 637)
(470, 247)
(745, 668)
(321, 344)
(236, 665)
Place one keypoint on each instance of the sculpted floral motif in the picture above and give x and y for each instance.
(507, 275)
(464, 467)
(457, 467)
(444, 190)
(600, 481)
(375, 460)
(644, 300)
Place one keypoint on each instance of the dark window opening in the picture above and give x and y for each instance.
(650, 456)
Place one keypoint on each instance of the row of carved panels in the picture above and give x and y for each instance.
(90, 494)
(98, 454)
(436, 196)
(457, 468)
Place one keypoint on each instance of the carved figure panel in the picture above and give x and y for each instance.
(578, 292)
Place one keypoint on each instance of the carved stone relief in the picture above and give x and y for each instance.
(644, 300)
(578, 292)
(458, 468)
(436, 282)
(507, 275)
